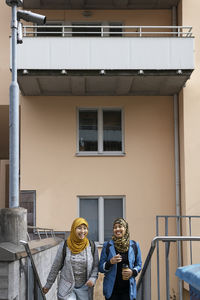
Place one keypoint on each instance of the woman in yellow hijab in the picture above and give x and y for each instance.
(78, 265)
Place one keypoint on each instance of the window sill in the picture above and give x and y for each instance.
(100, 154)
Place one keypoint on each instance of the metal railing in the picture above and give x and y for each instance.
(40, 231)
(106, 31)
(144, 282)
(34, 287)
(179, 225)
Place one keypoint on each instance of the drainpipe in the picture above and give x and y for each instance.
(177, 179)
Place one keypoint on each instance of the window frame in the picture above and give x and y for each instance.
(100, 151)
(100, 200)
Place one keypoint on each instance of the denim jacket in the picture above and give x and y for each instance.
(110, 275)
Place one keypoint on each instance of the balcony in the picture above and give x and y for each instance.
(129, 60)
(99, 4)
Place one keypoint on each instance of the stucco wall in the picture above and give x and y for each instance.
(191, 124)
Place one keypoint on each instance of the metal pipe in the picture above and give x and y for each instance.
(14, 120)
(158, 260)
(167, 261)
(177, 179)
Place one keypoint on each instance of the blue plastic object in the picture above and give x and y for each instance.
(191, 275)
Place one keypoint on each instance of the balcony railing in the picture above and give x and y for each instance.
(106, 30)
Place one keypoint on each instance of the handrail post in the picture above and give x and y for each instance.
(102, 31)
(190, 230)
(167, 246)
(158, 260)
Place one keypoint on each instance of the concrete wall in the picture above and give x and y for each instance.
(13, 275)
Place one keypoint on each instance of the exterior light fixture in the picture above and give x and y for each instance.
(102, 72)
(25, 72)
(87, 13)
(140, 72)
(179, 72)
(64, 72)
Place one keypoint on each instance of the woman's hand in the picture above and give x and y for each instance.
(127, 273)
(116, 259)
(45, 290)
(89, 283)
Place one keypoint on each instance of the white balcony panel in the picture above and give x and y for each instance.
(123, 53)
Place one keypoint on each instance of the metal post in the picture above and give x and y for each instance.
(14, 119)
(158, 259)
(177, 177)
(167, 244)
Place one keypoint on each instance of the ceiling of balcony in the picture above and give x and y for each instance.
(52, 83)
(99, 4)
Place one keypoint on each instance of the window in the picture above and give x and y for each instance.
(86, 31)
(100, 131)
(114, 30)
(50, 29)
(100, 212)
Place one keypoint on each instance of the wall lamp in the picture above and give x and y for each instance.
(102, 72)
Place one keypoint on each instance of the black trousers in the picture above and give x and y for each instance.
(120, 296)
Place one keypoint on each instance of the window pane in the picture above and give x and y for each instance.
(114, 29)
(112, 130)
(89, 211)
(113, 209)
(88, 135)
(86, 31)
(50, 31)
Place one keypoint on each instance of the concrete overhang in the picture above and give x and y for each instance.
(91, 83)
(11, 252)
(99, 4)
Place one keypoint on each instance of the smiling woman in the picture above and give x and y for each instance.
(78, 265)
(121, 262)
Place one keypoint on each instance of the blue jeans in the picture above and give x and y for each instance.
(79, 293)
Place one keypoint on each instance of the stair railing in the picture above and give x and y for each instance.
(144, 282)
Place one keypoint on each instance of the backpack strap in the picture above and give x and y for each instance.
(92, 245)
(135, 249)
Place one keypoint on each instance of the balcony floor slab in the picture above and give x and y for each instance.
(83, 83)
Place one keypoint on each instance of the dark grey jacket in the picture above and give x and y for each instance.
(66, 282)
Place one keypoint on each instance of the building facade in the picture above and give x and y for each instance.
(109, 120)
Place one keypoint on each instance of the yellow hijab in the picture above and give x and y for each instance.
(75, 244)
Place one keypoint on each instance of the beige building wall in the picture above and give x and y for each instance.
(5, 75)
(145, 175)
(127, 17)
(191, 109)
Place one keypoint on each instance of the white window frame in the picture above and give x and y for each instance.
(100, 151)
(101, 212)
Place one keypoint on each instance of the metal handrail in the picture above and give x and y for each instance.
(106, 30)
(35, 272)
(40, 230)
(154, 243)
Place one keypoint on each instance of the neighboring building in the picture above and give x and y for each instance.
(97, 126)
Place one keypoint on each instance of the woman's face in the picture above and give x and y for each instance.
(119, 230)
(81, 231)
